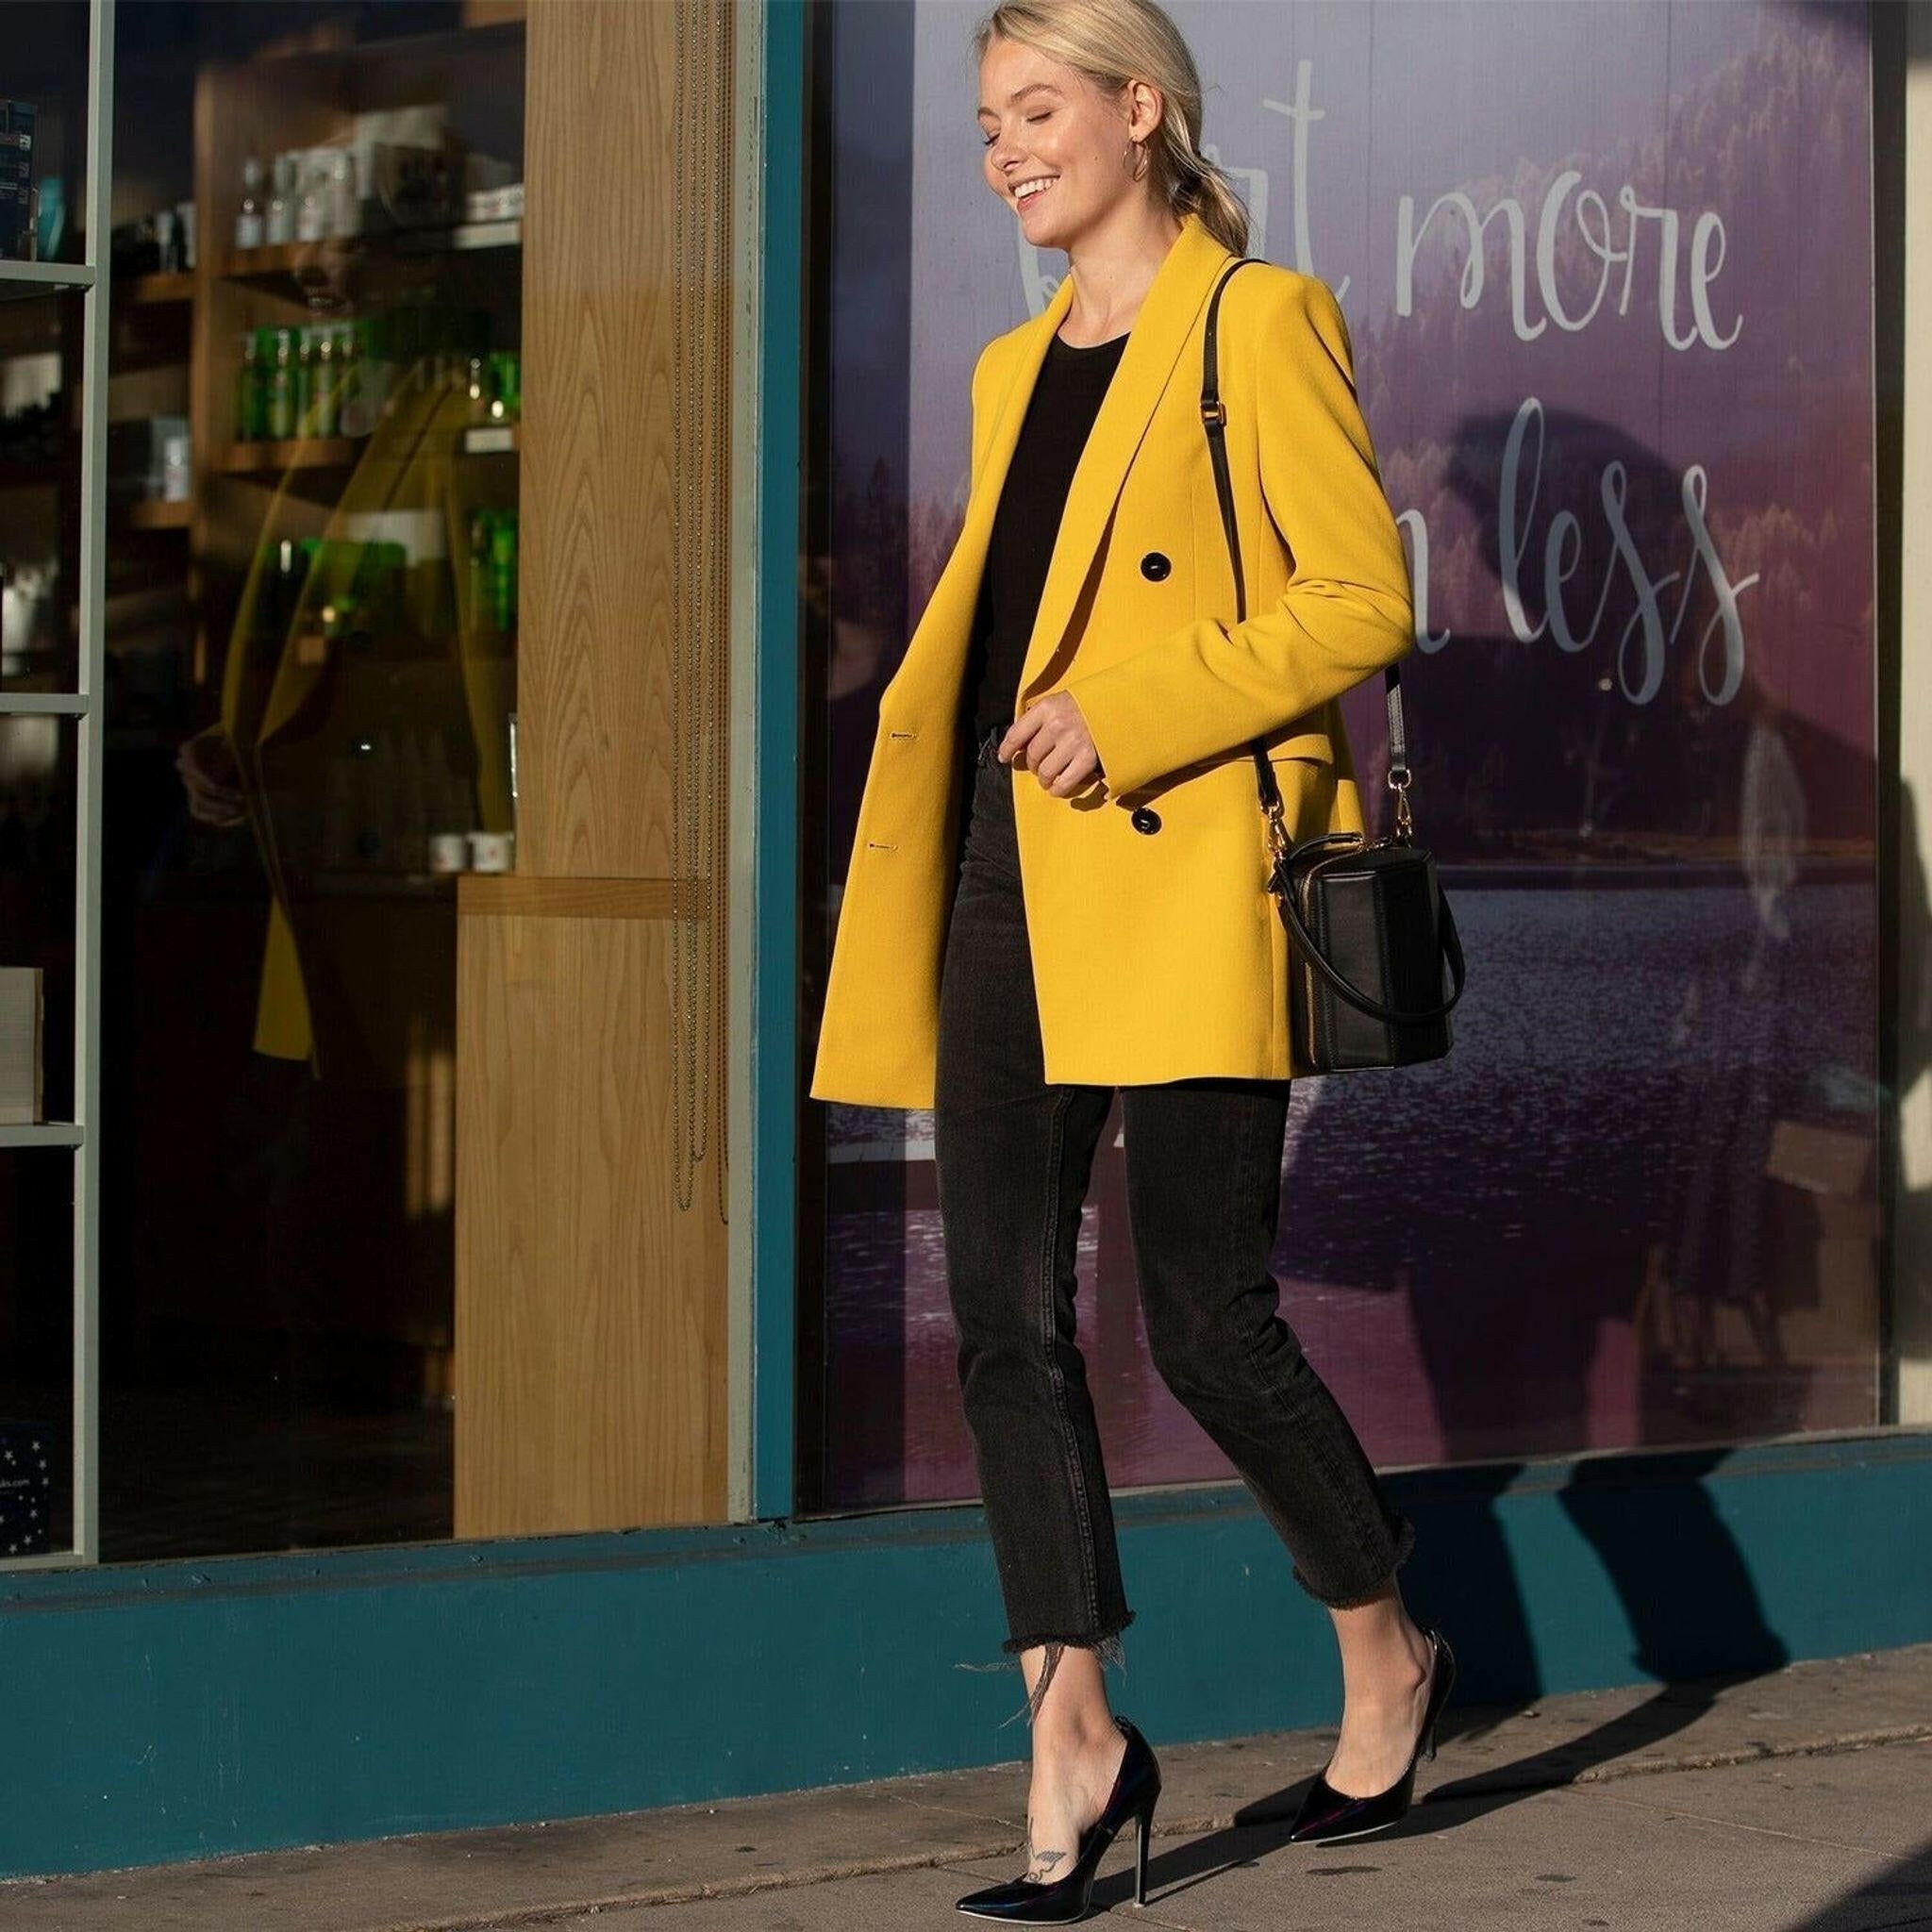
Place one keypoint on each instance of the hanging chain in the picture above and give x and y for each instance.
(701, 566)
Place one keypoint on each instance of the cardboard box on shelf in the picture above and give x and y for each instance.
(20, 1009)
(16, 222)
(17, 209)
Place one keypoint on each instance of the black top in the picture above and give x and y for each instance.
(1059, 414)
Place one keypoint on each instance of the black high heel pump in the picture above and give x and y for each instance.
(1327, 1814)
(1065, 1900)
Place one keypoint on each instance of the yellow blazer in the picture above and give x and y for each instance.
(1158, 954)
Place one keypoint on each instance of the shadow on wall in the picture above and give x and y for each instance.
(1685, 1588)
(1703, 1189)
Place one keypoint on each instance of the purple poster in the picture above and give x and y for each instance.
(1607, 272)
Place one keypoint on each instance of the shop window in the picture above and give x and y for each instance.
(1638, 1204)
(309, 505)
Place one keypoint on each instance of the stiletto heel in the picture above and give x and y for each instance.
(1327, 1814)
(1065, 1900)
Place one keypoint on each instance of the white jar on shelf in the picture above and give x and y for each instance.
(345, 202)
(177, 477)
(281, 203)
(311, 199)
(249, 228)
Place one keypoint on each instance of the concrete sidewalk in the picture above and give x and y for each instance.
(1801, 1799)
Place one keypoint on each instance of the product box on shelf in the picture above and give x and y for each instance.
(16, 180)
(17, 213)
(16, 139)
(21, 1009)
(139, 455)
(494, 204)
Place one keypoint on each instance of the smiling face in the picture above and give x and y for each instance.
(1055, 147)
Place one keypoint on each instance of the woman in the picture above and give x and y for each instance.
(1077, 699)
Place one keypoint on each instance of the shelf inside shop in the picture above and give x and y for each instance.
(296, 453)
(492, 439)
(41, 1134)
(380, 885)
(43, 704)
(20, 280)
(392, 50)
(281, 261)
(172, 285)
(341, 452)
(153, 513)
(462, 239)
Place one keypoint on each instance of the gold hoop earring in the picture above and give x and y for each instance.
(1138, 165)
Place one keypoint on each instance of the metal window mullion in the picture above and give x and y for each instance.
(42, 703)
(44, 278)
(89, 725)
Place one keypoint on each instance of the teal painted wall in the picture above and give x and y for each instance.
(191, 1709)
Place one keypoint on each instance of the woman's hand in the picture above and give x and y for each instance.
(212, 779)
(1050, 739)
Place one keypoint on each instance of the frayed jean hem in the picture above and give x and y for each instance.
(1405, 1548)
(1106, 1645)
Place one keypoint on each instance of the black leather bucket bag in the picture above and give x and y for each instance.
(1369, 929)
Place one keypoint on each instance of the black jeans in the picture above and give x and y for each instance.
(1013, 1156)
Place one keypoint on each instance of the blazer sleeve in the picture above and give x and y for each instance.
(1347, 611)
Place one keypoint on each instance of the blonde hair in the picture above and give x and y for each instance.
(1110, 42)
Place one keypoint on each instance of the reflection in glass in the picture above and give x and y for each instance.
(310, 683)
(36, 910)
(40, 488)
(43, 71)
(36, 1349)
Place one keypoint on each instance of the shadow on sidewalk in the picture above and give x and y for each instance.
(1900, 1896)
(1692, 1607)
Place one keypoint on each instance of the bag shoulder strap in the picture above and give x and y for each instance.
(1214, 420)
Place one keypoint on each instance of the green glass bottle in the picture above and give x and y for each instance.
(480, 525)
(503, 572)
(352, 410)
(305, 382)
(326, 383)
(280, 388)
(248, 391)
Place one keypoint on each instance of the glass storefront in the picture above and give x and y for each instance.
(289, 806)
(1615, 348)
(1623, 393)
(310, 498)
(43, 143)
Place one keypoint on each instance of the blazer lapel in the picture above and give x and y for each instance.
(1167, 312)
